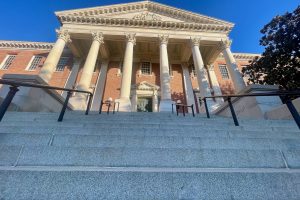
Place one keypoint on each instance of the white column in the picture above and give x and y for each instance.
(200, 70)
(155, 101)
(125, 103)
(53, 58)
(80, 99)
(215, 86)
(73, 75)
(232, 66)
(166, 101)
(188, 88)
(98, 94)
(89, 65)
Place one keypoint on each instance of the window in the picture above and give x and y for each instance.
(224, 71)
(61, 64)
(8, 61)
(97, 65)
(146, 68)
(34, 63)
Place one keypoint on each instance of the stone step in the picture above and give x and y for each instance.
(99, 183)
(142, 141)
(142, 157)
(202, 133)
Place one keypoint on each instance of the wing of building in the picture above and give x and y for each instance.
(144, 55)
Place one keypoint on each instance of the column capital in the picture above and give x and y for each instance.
(130, 37)
(164, 39)
(64, 35)
(98, 36)
(195, 41)
(224, 44)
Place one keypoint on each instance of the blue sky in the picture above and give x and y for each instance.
(34, 20)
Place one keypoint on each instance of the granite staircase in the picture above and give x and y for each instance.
(147, 156)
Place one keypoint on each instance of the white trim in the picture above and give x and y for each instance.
(1, 65)
(5, 44)
(4, 61)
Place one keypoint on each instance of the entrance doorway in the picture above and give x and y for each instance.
(144, 104)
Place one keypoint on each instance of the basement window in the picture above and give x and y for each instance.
(224, 71)
(7, 62)
(62, 64)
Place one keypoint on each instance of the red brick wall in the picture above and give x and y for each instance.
(113, 81)
(23, 58)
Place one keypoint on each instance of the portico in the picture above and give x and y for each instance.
(133, 33)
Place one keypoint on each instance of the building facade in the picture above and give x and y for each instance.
(144, 55)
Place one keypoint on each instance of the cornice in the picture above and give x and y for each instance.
(4, 44)
(100, 16)
(134, 23)
(243, 56)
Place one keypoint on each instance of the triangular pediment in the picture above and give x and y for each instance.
(146, 86)
(141, 12)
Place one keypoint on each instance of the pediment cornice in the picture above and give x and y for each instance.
(148, 16)
(25, 45)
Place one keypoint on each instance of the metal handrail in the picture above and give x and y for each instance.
(286, 94)
(178, 106)
(14, 89)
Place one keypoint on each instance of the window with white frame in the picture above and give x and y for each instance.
(62, 64)
(8, 61)
(146, 68)
(224, 71)
(35, 62)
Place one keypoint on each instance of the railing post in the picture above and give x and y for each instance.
(177, 107)
(236, 122)
(172, 108)
(108, 105)
(63, 110)
(9, 97)
(89, 104)
(206, 108)
(293, 111)
(192, 106)
(114, 108)
(183, 110)
(100, 109)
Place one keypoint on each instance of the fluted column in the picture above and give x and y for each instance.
(89, 65)
(79, 101)
(166, 101)
(188, 88)
(53, 58)
(235, 74)
(125, 103)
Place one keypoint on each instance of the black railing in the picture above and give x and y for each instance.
(109, 104)
(182, 106)
(14, 85)
(284, 94)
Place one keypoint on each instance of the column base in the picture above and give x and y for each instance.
(78, 102)
(165, 106)
(125, 105)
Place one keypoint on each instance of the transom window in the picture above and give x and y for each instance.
(35, 63)
(146, 68)
(62, 64)
(224, 71)
(8, 61)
